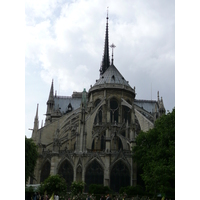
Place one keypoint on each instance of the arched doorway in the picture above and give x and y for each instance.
(120, 176)
(94, 174)
(67, 172)
(45, 172)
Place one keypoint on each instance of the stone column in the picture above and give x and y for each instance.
(74, 173)
(107, 171)
(83, 174)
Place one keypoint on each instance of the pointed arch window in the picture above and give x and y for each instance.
(126, 114)
(67, 172)
(114, 111)
(98, 118)
(45, 172)
(120, 176)
(94, 174)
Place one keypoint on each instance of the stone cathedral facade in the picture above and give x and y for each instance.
(89, 136)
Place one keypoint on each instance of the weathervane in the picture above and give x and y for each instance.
(112, 46)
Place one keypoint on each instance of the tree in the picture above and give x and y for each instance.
(155, 154)
(31, 156)
(132, 190)
(54, 184)
(99, 189)
(77, 187)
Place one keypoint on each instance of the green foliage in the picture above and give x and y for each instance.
(155, 153)
(77, 188)
(132, 190)
(31, 156)
(54, 184)
(99, 189)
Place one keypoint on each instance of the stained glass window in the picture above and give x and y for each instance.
(120, 176)
(66, 171)
(94, 174)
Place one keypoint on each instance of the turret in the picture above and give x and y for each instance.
(161, 107)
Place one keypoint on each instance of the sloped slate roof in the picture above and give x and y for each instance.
(112, 75)
(63, 102)
(148, 105)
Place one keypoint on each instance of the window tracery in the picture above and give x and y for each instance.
(114, 111)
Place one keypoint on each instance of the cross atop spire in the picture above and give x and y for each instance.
(112, 46)
(106, 59)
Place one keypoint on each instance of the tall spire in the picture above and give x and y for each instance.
(51, 92)
(36, 125)
(36, 121)
(36, 115)
(106, 59)
(50, 104)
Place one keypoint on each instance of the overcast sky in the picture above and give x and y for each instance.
(65, 42)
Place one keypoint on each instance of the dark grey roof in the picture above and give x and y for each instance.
(112, 75)
(148, 105)
(63, 103)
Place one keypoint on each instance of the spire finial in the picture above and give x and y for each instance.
(106, 59)
(107, 13)
(112, 46)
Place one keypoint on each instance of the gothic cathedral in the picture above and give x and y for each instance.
(89, 136)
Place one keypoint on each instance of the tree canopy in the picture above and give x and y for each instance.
(77, 187)
(155, 154)
(31, 156)
(99, 189)
(54, 184)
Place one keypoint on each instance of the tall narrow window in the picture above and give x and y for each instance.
(120, 176)
(67, 172)
(45, 172)
(98, 118)
(126, 114)
(114, 111)
(94, 174)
